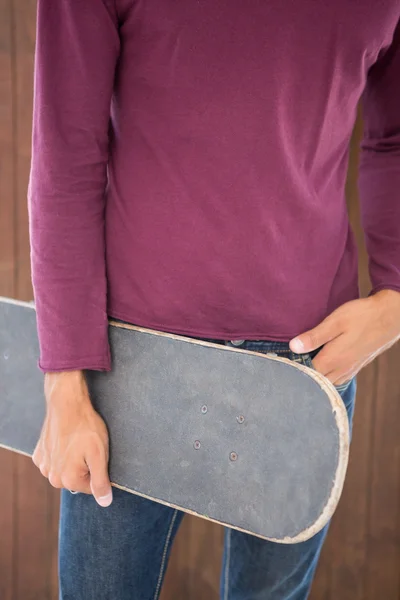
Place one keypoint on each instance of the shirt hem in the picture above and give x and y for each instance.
(196, 333)
(82, 365)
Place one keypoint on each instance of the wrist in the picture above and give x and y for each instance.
(387, 302)
(388, 298)
(65, 386)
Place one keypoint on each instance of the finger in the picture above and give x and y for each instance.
(315, 338)
(99, 479)
(322, 362)
(37, 456)
(344, 372)
(44, 469)
(74, 481)
(43, 458)
(339, 377)
(55, 480)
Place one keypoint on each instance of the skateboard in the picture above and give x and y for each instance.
(251, 441)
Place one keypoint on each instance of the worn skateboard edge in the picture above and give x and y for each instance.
(301, 537)
(339, 412)
(338, 409)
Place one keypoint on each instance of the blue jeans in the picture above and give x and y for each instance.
(121, 552)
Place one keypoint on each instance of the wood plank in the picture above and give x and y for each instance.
(7, 152)
(54, 513)
(7, 525)
(33, 559)
(360, 560)
(34, 495)
(383, 550)
(25, 22)
(349, 534)
(7, 243)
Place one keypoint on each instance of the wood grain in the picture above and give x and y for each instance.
(33, 495)
(25, 19)
(33, 562)
(8, 519)
(8, 515)
(53, 517)
(7, 150)
(361, 558)
(383, 550)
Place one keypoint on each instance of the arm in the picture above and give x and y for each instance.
(379, 179)
(357, 332)
(76, 54)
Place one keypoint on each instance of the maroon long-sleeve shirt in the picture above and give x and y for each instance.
(189, 163)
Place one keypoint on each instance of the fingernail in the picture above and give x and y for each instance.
(105, 500)
(297, 345)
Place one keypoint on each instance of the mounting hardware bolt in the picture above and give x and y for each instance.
(204, 409)
(197, 445)
(233, 456)
(240, 419)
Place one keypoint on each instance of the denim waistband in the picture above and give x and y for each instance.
(257, 345)
(264, 347)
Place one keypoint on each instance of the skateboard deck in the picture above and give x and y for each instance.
(254, 442)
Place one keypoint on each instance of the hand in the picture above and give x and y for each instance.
(353, 335)
(72, 451)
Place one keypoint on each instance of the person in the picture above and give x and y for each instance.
(188, 175)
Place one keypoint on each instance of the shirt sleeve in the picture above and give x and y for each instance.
(76, 53)
(379, 176)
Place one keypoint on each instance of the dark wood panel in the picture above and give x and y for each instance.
(382, 575)
(25, 19)
(346, 548)
(54, 512)
(36, 530)
(7, 525)
(7, 151)
(7, 179)
(33, 560)
(361, 558)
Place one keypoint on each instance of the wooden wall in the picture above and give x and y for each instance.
(361, 559)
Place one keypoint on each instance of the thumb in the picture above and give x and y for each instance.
(312, 339)
(99, 480)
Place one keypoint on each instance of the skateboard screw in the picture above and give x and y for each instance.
(196, 445)
(233, 456)
(6, 356)
(240, 419)
(204, 409)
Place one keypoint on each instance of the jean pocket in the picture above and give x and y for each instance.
(308, 361)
